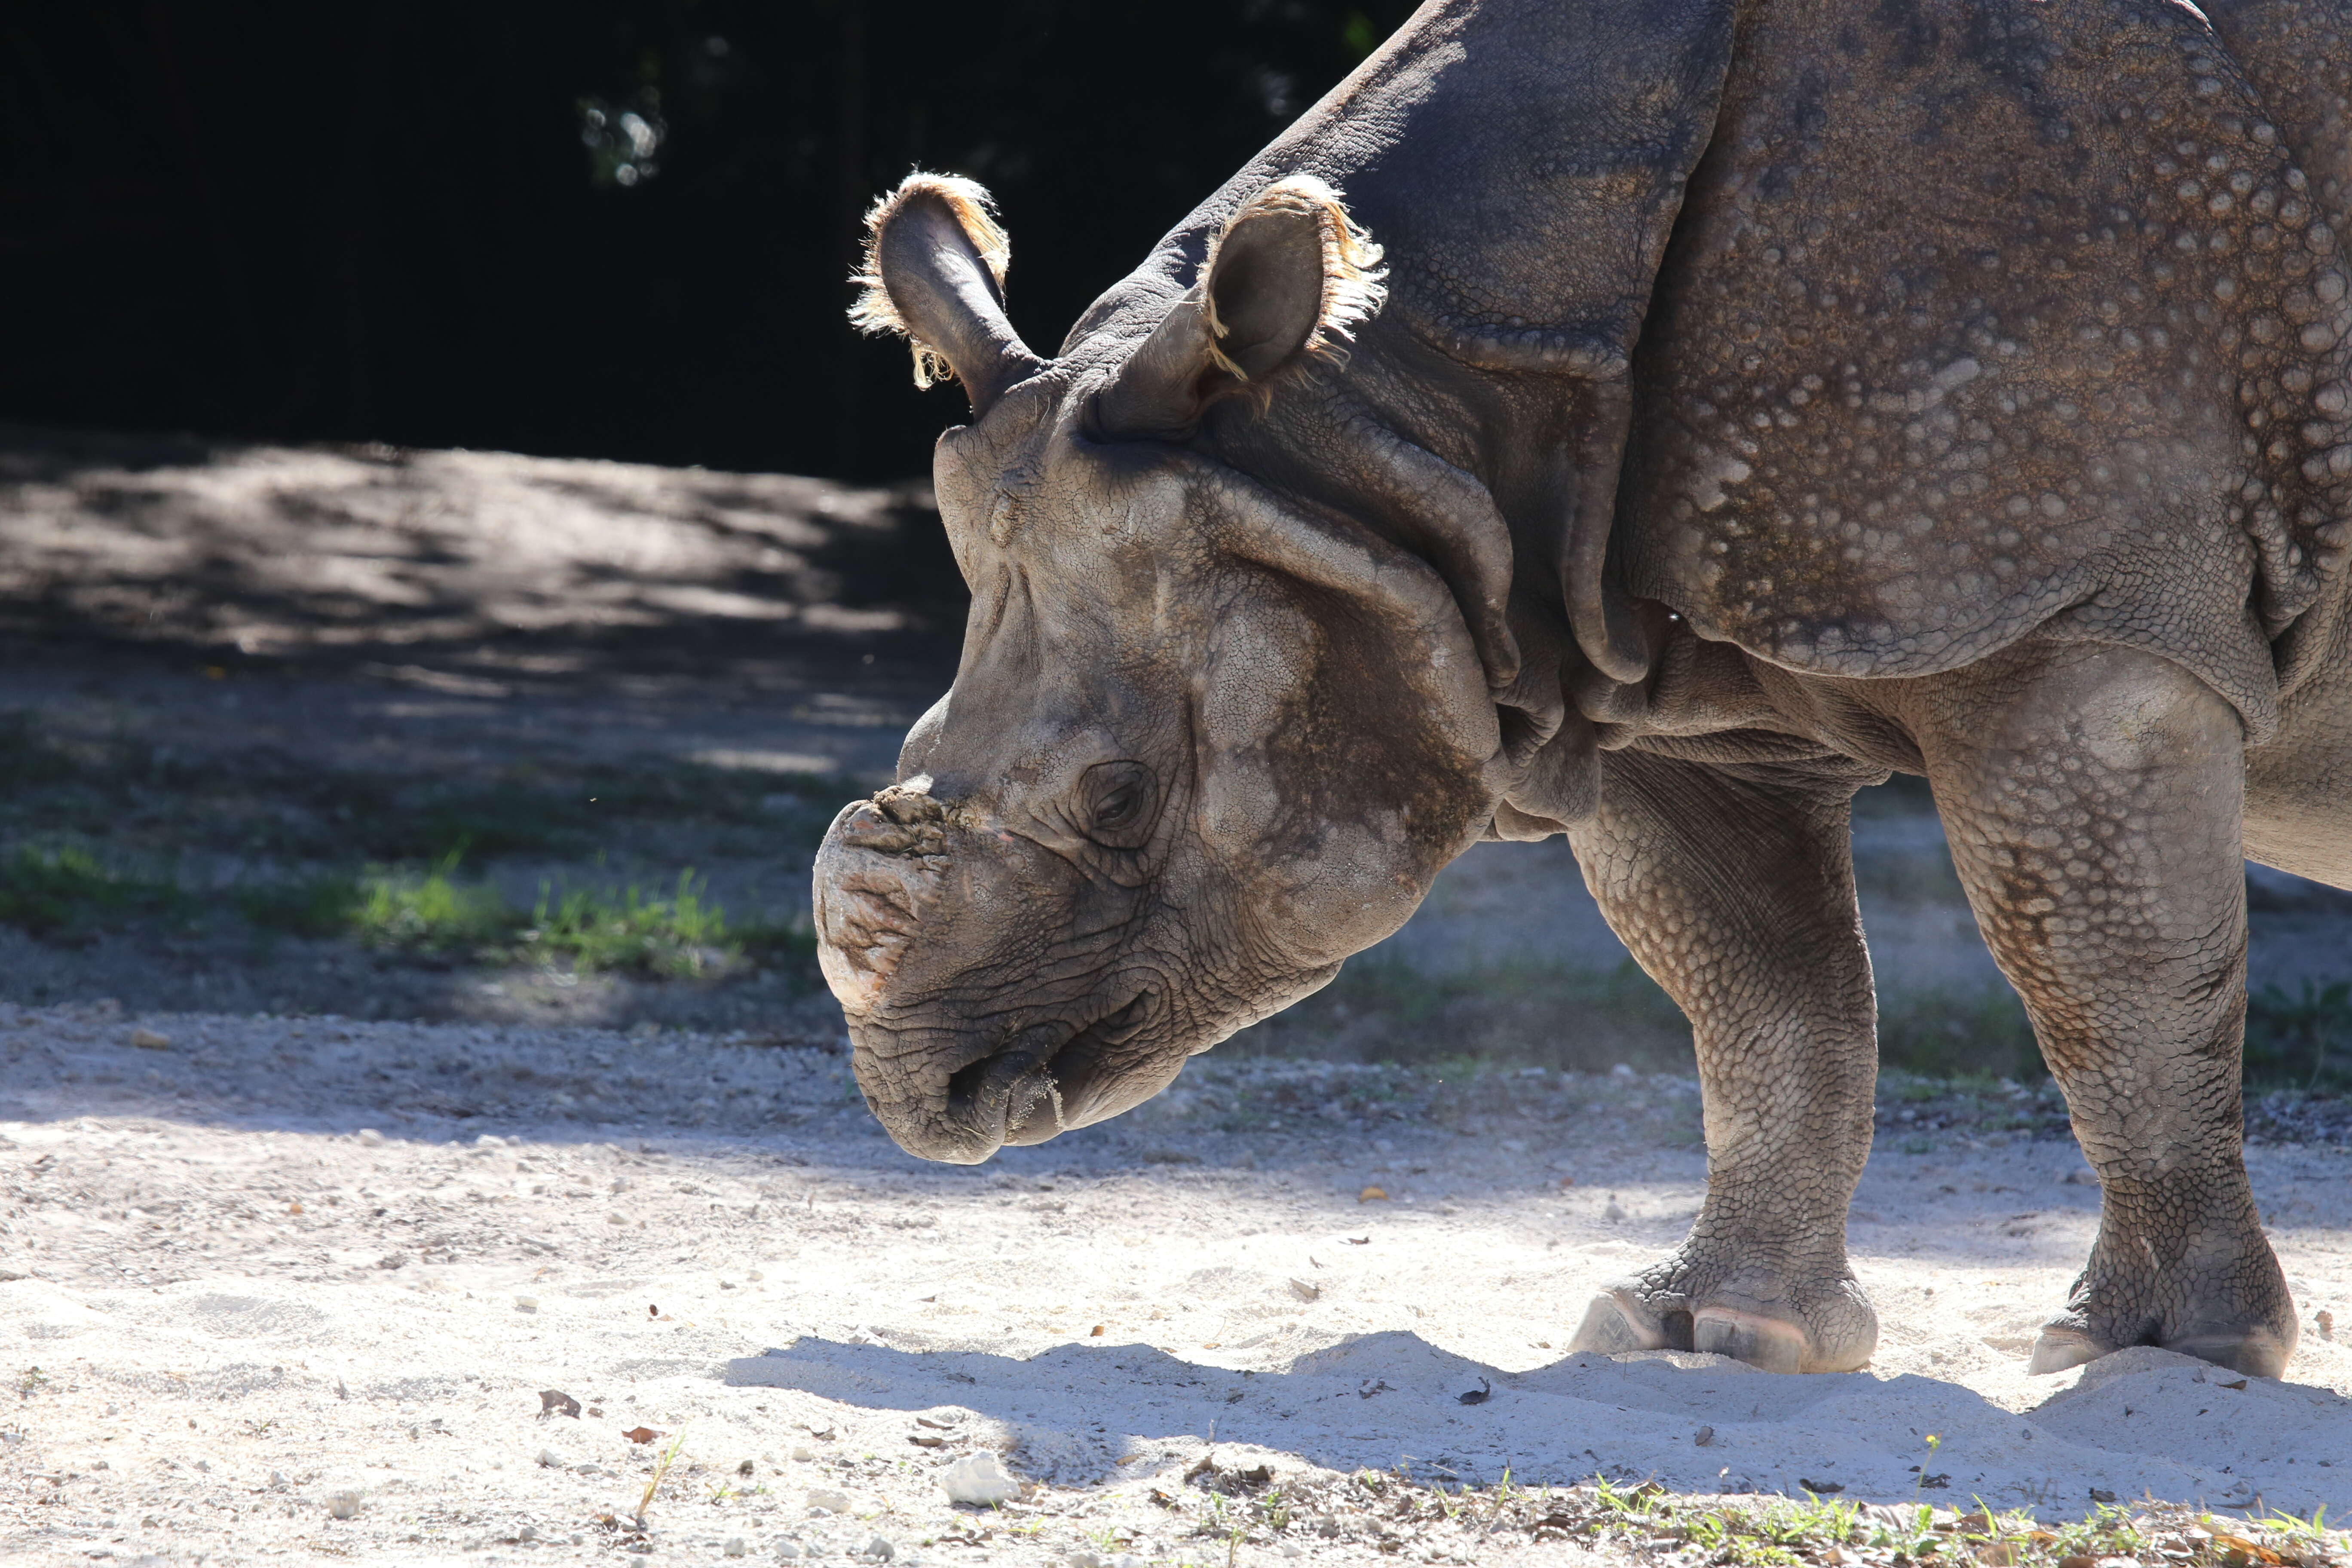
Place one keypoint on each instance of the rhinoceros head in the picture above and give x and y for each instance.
(1207, 738)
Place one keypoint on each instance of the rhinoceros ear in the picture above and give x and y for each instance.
(1287, 278)
(934, 272)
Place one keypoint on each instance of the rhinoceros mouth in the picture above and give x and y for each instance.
(1043, 1083)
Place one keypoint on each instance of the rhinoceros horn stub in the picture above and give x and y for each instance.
(934, 270)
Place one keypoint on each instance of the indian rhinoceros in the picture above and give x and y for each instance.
(1691, 411)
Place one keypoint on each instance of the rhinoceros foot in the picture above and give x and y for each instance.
(2255, 1350)
(2065, 1343)
(1775, 1322)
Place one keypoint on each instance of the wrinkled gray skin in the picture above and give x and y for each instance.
(1767, 396)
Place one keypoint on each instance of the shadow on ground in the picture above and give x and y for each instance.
(476, 572)
(1693, 1423)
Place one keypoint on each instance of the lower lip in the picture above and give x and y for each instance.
(1045, 1084)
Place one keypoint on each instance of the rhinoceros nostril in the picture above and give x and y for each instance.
(963, 1084)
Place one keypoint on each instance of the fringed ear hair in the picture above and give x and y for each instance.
(1289, 278)
(1291, 274)
(934, 272)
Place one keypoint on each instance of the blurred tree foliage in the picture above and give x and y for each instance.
(617, 228)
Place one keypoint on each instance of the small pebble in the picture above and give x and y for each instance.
(734, 1547)
(148, 1040)
(370, 1137)
(830, 1500)
(880, 1549)
(344, 1505)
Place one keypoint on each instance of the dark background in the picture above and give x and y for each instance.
(431, 224)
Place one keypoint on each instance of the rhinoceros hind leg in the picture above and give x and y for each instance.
(1734, 888)
(2091, 796)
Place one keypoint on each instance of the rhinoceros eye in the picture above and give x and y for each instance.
(1119, 801)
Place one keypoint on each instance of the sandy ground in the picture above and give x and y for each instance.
(292, 1289)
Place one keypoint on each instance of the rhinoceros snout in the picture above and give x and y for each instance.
(960, 1045)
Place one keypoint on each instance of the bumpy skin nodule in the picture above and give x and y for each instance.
(1767, 394)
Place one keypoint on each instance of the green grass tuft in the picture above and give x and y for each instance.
(66, 894)
(429, 912)
(414, 912)
(679, 937)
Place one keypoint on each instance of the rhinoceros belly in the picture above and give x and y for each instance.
(1985, 319)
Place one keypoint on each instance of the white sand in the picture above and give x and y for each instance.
(716, 1239)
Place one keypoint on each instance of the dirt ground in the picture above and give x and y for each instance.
(293, 1288)
(298, 1222)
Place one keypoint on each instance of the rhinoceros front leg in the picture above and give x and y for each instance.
(2091, 796)
(1735, 890)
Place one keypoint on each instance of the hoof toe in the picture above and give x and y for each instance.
(2256, 1354)
(1611, 1327)
(1765, 1343)
(2061, 1348)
